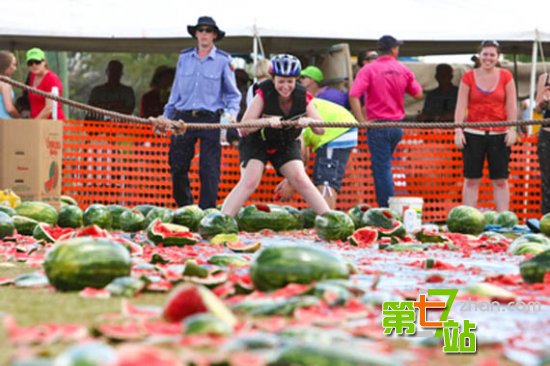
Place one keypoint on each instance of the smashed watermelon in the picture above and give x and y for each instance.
(364, 237)
(170, 234)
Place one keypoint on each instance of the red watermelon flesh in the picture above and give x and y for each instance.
(364, 237)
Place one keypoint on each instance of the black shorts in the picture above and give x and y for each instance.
(480, 146)
(329, 168)
(251, 147)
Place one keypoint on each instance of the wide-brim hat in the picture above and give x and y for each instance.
(208, 21)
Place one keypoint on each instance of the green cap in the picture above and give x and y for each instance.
(35, 54)
(314, 73)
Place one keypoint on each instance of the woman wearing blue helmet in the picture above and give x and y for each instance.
(277, 100)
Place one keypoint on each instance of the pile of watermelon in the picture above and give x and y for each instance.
(275, 285)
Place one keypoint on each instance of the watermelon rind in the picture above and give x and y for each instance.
(334, 225)
(7, 227)
(535, 269)
(529, 244)
(276, 266)
(506, 219)
(132, 221)
(70, 216)
(206, 324)
(98, 214)
(77, 263)
(465, 220)
(189, 216)
(545, 224)
(39, 211)
(165, 233)
(217, 223)
(24, 225)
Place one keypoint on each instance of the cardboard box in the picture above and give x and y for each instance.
(31, 158)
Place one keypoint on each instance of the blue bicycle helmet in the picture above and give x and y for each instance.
(285, 65)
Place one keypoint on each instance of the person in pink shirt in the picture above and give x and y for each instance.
(383, 84)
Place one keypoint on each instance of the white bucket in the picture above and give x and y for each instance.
(402, 204)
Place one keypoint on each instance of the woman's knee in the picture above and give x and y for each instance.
(472, 183)
(300, 181)
(500, 183)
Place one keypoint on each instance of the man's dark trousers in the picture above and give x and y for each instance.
(182, 151)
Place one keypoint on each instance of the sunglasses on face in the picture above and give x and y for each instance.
(205, 29)
(34, 62)
(490, 43)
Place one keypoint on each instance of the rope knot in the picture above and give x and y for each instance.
(179, 127)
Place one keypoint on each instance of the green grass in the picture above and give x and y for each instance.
(38, 306)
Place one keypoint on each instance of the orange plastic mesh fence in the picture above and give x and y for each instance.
(123, 163)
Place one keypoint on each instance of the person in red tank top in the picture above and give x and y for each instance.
(485, 94)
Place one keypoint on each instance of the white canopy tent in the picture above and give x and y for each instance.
(428, 27)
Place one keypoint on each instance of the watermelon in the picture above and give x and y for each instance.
(334, 225)
(70, 216)
(68, 201)
(240, 247)
(379, 218)
(87, 354)
(191, 299)
(465, 220)
(98, 214)
(164, 214)
(535, 269)
(144, 209)
(258, 217)
(506, 219)
(297, 214)
(276, 266)
(50, 234)
(189, 216)
(397, 231)
(545, 224)
(7, 210)
(210, 210)
(306, 354)
(357, 212)
(223, 239)
(227, 260)
(39, 211)
(116, 212)
(490, 217)
(308, 218)
(216, 223)
(425, 236)
(7, 227)
(206, 323)
(132, 221)
(77, 263)
(24, 225)
(170, 234)
(529, 244)
(364, 237)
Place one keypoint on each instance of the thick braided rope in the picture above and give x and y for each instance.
(180, 126)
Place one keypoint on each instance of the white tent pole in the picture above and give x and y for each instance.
(255, 52)
(533, 81)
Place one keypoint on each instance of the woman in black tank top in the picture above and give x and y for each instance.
(543, 145)
(277, 100)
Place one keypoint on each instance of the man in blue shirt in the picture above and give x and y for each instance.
(203, 87)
